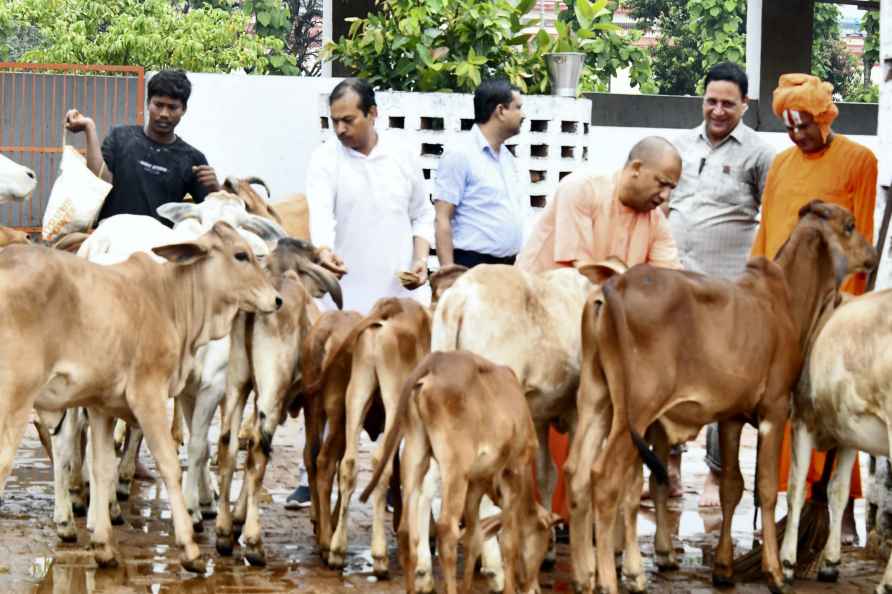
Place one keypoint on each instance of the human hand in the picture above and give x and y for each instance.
(331, 261)
(417, 275)
(207, 177)
(75, 121)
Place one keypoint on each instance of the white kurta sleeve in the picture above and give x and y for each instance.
(321, 181)
(421, 210)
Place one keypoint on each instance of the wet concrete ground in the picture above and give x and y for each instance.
(32, 560)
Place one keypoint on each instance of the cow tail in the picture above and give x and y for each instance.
(393, 437)
(618, 381)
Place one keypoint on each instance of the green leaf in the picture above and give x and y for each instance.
(263, 18)
(525, 6)
(425, 55)
(584, 13)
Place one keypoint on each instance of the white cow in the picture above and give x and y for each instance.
(842, 401)
(532, 324)
(16, 181)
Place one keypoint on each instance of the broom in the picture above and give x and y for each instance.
(814, 528)
(814, 521)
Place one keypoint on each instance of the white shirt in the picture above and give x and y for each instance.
(369, 208)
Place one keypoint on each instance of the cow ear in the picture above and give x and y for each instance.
(182, 254)
(445, 277)
(599, 272)
(490, 526)
(177, 211)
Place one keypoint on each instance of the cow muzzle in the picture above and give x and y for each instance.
(268, 301)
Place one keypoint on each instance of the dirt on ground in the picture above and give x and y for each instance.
(33, 560)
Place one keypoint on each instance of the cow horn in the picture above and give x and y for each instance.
(256, 180)
(324, 280)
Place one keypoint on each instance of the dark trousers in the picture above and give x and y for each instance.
(713, 448)
(472, 259)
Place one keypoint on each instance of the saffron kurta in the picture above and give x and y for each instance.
(843, 173)
(585, 221)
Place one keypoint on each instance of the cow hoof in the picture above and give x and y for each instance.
(255, 555)
(67, 532)
(197, 565)
(665, 561)
(123, 491)
(336, 559)
(548, 564)
(829, 574)
(208, 513)
(424, 583)
(783, 588)
(225, 544)
(381, 567)
(197, 527)
(237, 529)
(722, 581)
(636, 584)
(104, 556)
(884, 589)
(79, 508)
(117, 519)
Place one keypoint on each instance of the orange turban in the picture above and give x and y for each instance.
(804, 92)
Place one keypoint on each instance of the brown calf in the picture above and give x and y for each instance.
(671, 351)
(380, 352)
(265, 355)
(120, 340)
(471, 417)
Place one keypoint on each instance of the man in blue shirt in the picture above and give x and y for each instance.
(481, 203)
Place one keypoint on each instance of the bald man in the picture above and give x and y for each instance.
(593, 217)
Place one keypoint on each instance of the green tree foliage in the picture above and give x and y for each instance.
(150, 33)
(694, 36)
(610, 52)
(451, 45)
(870, 23)
(829, 59)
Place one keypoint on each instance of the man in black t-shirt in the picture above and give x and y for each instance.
(148, 166)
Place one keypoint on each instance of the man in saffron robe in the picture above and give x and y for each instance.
(593, 217)
(822, 164)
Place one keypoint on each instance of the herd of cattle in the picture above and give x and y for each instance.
(222, 306)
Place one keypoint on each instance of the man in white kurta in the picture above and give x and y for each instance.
(370, 214)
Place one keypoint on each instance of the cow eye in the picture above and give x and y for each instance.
(242, 256)
(850, 227)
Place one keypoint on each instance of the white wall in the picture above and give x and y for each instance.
(256, 125)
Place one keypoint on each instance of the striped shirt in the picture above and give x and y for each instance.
(714, 210)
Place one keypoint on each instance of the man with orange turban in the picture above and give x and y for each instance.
(824, 165)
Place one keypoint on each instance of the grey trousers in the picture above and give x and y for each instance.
(713, 451)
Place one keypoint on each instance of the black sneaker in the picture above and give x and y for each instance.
(299, 498)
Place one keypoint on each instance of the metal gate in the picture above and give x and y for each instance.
(33, 102)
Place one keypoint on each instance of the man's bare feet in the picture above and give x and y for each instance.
(709, 497)
(849, 532)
